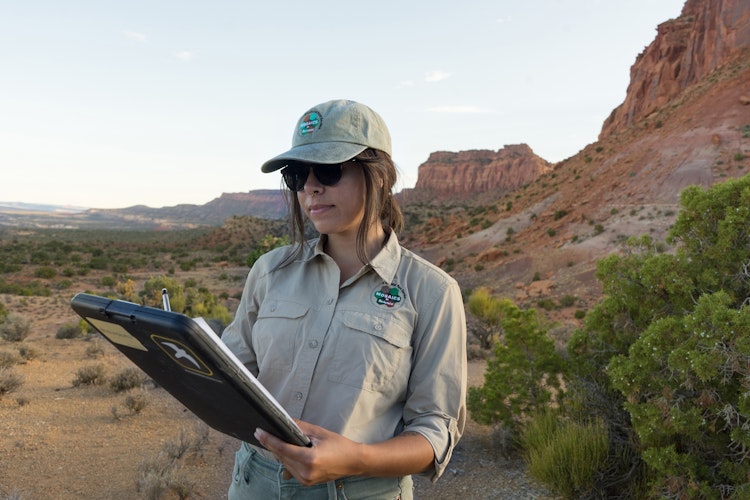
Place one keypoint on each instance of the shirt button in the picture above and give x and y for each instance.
(378, 326)
(313, 344)
(298, 396)
(330, 300)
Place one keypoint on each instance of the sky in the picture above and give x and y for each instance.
(110, 104)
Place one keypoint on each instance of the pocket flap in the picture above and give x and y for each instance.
(282, 309)
(391, 331)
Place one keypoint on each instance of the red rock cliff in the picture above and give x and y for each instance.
(480, 171)
(707, 34)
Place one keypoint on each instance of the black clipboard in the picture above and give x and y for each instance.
(185, 357)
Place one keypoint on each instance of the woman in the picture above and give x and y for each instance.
(361, 341)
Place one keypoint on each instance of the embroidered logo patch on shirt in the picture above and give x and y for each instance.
(388, 295)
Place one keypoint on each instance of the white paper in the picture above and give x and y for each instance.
(223, 347)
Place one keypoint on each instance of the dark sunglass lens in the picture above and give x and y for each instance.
(328, 175)
(295, 176)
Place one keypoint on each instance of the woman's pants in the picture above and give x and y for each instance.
(256, 477)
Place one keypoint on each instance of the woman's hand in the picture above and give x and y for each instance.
(333, 456)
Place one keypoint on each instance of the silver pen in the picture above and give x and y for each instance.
(165, 299)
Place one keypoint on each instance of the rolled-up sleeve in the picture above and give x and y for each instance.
(436, 399)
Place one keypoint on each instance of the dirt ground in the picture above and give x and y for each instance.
(62, 441)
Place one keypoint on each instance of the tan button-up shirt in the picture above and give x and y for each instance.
(382, 353)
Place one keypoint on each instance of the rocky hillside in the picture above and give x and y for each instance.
(706, 36)
(685, 120)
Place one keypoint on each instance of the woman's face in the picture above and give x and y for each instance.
(337, 209)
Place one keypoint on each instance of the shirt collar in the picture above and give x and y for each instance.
(385, 263)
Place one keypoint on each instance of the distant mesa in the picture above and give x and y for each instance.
(447, 174)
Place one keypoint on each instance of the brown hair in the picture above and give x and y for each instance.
(380, 205)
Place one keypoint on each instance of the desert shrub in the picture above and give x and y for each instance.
(687, 382)
(559, 214)
(152, 292)
(158, 476)
(109, 281)
(568, 300)
(26, 289)
(136, 402)
(64, 284)
(200, 302)
(45, 272)
(27, 352)
(15, 328)
(90, 375)
(9, 381)
(129, 378)
(69, 331)
(449, 264)
(187, 442)
(564, 455)
(161, 474)
(127, 290)
(95, 350)
(269, 242)
(7, 359)
(485, 307)
(523, 375)
(85, 327)
(669, 344)
(546, 304)
(99, 262)
(154, 477)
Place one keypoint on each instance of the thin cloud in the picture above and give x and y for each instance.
(459, 109)
(184, 55)
(406, 84)
(436, 76)
(138, 37)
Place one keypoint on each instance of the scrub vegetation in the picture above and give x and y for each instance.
(651, 397)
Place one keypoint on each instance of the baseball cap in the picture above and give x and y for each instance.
(334, 132)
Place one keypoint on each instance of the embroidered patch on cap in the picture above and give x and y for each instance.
(388, 295)
(310, 123)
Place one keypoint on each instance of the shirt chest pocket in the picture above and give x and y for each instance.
(275, 334)
(371, 353)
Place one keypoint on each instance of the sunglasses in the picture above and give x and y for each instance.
(295, 174)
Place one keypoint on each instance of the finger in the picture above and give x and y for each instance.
(269, 441)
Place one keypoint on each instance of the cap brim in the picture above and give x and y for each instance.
(319, 152)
